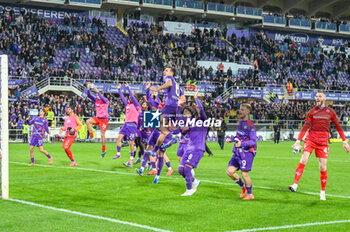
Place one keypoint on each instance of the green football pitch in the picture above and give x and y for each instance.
(103, 195)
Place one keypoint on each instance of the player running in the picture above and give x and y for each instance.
(129, 129)
(244, 152)
(101, 119)
(317, 121)
(71, 126)
(40, 125)
(195, 147)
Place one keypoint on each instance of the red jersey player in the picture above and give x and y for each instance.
(317, 121)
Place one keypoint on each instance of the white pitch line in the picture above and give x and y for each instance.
(292, 226)
(175, 178)
(90, 215)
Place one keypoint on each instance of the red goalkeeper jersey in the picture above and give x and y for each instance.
(319, 122)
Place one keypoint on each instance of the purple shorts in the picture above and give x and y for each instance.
(144, 137)
(169, 111)
(129, 129)
(181, 149)
(36, 141)
(191, 158)
(243, 161)
(153, 138)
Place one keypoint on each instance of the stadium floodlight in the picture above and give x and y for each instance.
(4, 133)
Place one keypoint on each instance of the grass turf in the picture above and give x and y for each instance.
(104, 187)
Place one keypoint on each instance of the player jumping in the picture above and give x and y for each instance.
(129, 128)
(317, 121)
(40, 125)
(101, 119)
(71, 126)
(172, 92)
(244, 152)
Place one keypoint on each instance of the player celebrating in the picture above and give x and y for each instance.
(172, 92)
(101, 119)
(40, 125)
(129, 129)
(317, 121)
(244, 152)
(71, 126)
(195, 148)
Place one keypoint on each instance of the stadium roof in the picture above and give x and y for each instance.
(333, 9)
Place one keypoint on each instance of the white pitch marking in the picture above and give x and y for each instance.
(175, 178)
(90, 215)
(292, 226)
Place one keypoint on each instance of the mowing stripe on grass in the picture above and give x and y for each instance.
(90, 215)
(292, 226)
(175, 178)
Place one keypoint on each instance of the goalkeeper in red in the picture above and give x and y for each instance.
(317, 125)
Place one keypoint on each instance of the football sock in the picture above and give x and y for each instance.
(240, 183)
(153, 165)
(48, 156)
(299, 172)
(69, 154)
(32, 159)
(144, 160)
(103, 148)
(188, 177)
(140, 154)
(118, 150)
(91, 135)
(250, 189)
(323, 180)
(168, 164)
(182, 171)
(160, 165)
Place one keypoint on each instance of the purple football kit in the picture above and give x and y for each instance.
(172, 96)
(243, 156)
(40, 125)
(183, 140)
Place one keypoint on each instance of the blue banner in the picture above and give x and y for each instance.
(247, 93)
(31, 91)
(305, 95)
(330, 96)
(14, 83)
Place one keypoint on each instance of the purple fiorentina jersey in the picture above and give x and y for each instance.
(40, 125)
(172, 93)
(246, 132)
(197, 135)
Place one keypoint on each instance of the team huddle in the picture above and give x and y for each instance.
(153, 143)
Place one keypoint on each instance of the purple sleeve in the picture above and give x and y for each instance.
(91, 96)
(122, 97)
(31, 122)
(104, 99)
(134, 100)
(158, 100)
(47, 126)
(252, 141)
(201, 109)
(150, 99)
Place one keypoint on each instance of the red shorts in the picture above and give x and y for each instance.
(102, 122)
(321, 151)
(68, 141)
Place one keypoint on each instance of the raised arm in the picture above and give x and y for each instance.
(150, 99)
(201, 109)
(122, 95)
(91, 96)
(134, 100)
